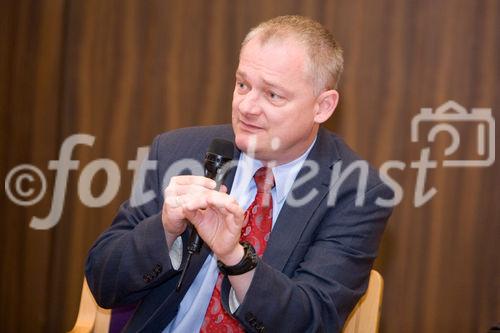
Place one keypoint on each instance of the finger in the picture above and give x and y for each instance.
(191, 215)
(189, 201)
(194, 180)
(169, 191)
(192, 201)
(223, 200)
(173, 217)
(172, 212)
(174, 201)
(223, 188)
(179, 190)
(235, 222)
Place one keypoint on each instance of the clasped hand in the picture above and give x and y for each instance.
(217, 217)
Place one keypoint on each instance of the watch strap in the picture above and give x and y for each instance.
(246, 264)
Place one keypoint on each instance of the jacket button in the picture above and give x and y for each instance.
(147, 278)
(249, 317)
(158, 268)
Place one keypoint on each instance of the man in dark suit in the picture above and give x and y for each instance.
(322, 245)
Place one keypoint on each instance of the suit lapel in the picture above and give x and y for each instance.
(292, 220)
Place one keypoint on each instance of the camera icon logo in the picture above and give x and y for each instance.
(446, 118)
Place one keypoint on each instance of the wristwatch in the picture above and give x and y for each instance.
(246, 264)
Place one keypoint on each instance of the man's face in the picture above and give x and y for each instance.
(273, 110)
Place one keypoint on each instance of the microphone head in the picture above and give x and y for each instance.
(219, 153)
(222, 148)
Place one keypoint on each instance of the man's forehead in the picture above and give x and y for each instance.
(279, 57)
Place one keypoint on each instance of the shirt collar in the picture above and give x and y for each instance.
(284, 174)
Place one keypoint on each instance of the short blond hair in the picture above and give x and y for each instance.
(325, 55)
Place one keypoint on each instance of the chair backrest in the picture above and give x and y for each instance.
(365, 316)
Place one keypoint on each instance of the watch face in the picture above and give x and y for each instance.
(253, 257)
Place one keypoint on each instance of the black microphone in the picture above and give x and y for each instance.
(218, 154)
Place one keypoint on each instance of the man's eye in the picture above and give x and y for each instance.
(241, 85)
(274, 96)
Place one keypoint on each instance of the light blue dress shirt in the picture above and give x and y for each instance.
(190, 316)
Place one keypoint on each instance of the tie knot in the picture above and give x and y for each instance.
(264, 179)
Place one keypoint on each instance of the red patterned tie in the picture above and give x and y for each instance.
(256, 230)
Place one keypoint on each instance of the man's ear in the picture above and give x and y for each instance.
(325, 105)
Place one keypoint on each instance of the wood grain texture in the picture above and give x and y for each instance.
(125, 71)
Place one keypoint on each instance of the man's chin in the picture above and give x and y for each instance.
(247, 144)
(241, 143)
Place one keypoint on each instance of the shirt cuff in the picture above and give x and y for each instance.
(176, 253)
(233, 301)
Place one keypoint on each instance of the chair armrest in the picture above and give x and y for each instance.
(91, 318)
(365, 316)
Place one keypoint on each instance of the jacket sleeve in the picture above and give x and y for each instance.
(131, 257)
(317, 292)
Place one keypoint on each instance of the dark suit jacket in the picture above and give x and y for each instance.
(314, 270)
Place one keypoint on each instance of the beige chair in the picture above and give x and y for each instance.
(91, 318)
(365, 316)
(363, 319)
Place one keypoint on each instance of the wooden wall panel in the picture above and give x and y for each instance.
(30, 50)
(125, 71)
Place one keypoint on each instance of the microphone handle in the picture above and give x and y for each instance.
(195, 241)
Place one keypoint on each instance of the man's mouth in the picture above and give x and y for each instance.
(249, 127)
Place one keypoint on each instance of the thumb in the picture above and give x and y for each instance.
(192, 215)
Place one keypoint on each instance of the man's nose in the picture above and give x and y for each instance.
(250, 104)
